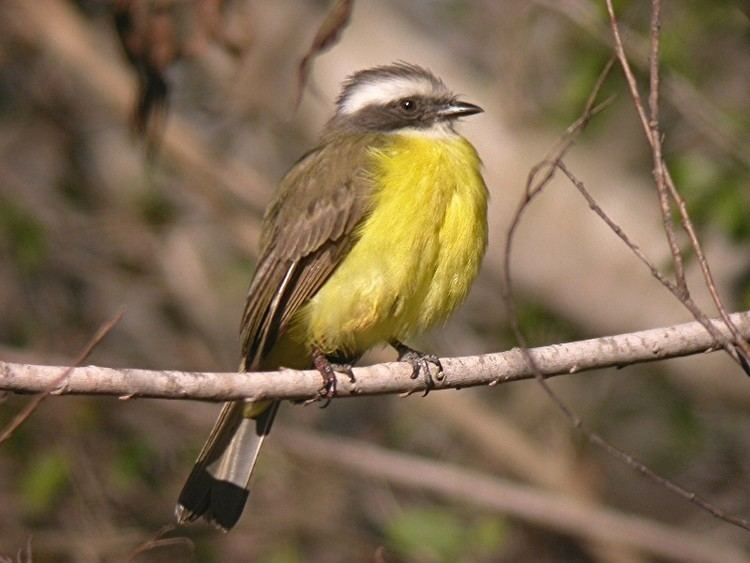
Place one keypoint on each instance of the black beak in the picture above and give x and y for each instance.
(458, 109)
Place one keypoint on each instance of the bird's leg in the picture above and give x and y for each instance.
(420, 363)
(324, 366)
(328, 366)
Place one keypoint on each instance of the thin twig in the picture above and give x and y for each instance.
(743, 355)
(666, 189)
(640, 467)
(533, 189)
(596, 208)
(651, 129)
(55, 384)
(694, 107)
(629, 76)
(159, 541)
(656, 144)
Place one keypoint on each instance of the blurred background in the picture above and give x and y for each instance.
(96, 213)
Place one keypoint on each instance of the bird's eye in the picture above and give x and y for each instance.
(408, 104)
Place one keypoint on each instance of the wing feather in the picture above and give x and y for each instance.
(306, 235)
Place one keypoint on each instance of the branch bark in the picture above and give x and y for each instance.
(489, 369)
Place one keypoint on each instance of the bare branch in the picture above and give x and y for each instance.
(653, 135)
(659, 171)
(739, 349)
(59, 380)
(548, 510)
(679, 289)
(504, 367)
(695, 107)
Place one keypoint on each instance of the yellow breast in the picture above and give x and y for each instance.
(417, 253)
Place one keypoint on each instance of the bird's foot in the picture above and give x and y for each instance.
(328, 369)
(421, 363)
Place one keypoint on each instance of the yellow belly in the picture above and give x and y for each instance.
(417, 253)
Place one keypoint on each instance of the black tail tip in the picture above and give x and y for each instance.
(219, 502)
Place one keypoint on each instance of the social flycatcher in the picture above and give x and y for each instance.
(373, 236)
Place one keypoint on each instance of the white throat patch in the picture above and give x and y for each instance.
(384, 91)
(439, 130)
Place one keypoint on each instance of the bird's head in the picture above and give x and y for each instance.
(399, 97)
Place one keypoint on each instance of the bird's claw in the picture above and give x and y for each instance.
(421, 363)
(328, 371)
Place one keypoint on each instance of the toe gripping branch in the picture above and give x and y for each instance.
(328, 368)
(421, 363)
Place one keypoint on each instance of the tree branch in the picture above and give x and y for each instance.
(489, 369)
(740, 352)
(60, 378)
(544, 509)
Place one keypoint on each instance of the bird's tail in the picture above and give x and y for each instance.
(217, 487)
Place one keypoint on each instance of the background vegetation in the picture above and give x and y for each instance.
(93, 217)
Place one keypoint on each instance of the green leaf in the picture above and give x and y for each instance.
(132, 464)
(45, 481)
(285, 553)
(487, 535)
(25, 235)
(427, 534)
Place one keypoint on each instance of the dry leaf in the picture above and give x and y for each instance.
(327, 36)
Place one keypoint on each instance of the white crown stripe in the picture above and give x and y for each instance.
(383, 91)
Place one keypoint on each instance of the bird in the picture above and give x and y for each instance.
(372, 237)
